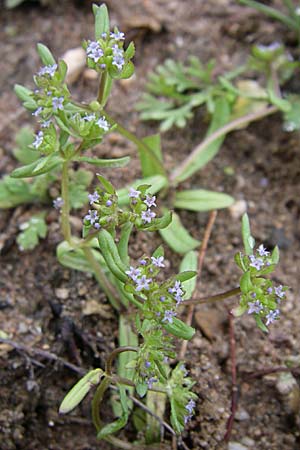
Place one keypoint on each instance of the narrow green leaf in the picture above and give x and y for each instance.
(45, 55)
(275, 255)
(123, 242)
(23, 93)
(189, 263)
(162, 222)
(260, 324)
(10, 4)
(149, 166)
(179, 329)
(101, 20)
(42, 165)
(177, 237)
(116, 162)
(248, 240)
(120, 422)
(127, 71)
(111, 255)
(186, 275)
(130, 51)
(246, 283)
(126, 337)
(75, 259)
(106, 184)
(202, 200)
(156, 402)
(80, 390)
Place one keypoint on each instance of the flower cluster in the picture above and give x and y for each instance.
(140, 214)
(260, 297)
(183, 405)
(107, 53)
(104, 203)
(48, 100)
(89, 126)
(160, 299)
(141, 204)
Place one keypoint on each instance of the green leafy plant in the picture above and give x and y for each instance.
(290, 17)
(232, 102)
(148, 303)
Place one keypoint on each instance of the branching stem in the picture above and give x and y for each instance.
(214, 298)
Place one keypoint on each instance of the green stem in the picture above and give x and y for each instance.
(105, 284)
(214, 298)
(271, 12)
(231, 126)
(114, 354)
(101, 89)
(97, 399)
(138, 142)
(65, 214)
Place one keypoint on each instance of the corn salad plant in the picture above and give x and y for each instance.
(149, 304)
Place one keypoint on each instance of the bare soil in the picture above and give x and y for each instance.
(43, 305)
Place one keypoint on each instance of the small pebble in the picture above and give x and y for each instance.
(238, 209)
(62, 293)
(241, 415)
(236, 446)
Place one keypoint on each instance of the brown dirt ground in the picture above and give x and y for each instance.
(34, 287)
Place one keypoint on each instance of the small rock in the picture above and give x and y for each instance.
(75, 59)
(94, 307)
(236, 446)
(128, 83)
(62, 293)
(238, 209)
(209, 322)
(90, 75)
(241, 415)
(248, 441)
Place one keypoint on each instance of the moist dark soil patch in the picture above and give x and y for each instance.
(43, 304)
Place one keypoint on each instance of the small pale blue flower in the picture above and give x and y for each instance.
(93, 197)
(272, 316)
(92, 216)
(133, 193)
(150, 201)
(102, 123)
(190, 406)
(168, 317)
(89, 117)
(150, 382)
(257, 263)
(254, 307)
(279, 292)
(58, 203)
(158, 262)
(37, 112)
(38, 139)
(143, 283)
(262, 251)
(133, 273)
(118, 36)
(147, 216)
(57, 103)
(46, 123)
